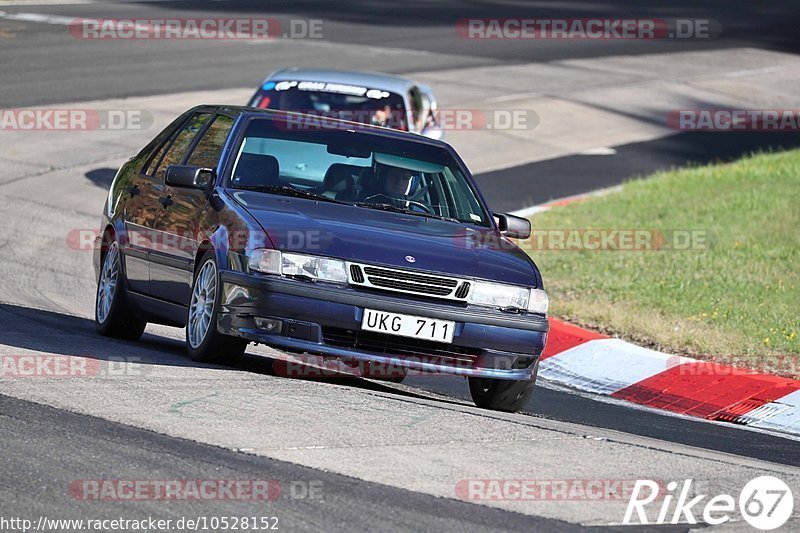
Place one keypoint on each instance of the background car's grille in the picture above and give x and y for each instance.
(408, 282)
(382, 344)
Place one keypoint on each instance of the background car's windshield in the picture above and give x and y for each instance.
(358, 104)
(356, 168)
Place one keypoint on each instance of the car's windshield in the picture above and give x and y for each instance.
(347, 102)
(372, 172)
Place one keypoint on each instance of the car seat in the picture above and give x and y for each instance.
(340, 181)
(256, 169)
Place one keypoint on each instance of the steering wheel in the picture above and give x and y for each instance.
(392, 201)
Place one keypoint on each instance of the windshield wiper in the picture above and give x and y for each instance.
(395, 209)
(285, 190)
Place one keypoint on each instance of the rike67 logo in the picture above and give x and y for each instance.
(765, 503)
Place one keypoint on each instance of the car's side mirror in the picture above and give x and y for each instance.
(513, 226)
(190, 176)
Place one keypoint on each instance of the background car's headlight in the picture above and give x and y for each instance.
(286, 264)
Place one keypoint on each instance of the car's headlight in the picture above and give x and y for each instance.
(509, 296)
(538, 302)
(310, 266)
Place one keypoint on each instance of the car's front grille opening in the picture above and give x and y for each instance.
(463, 290)
(408, 276)
(356, 274)
(393, 345)
(410, 287)
(409, 282)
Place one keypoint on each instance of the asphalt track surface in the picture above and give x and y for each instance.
(46, 448)
(32, 430)
(421, 31)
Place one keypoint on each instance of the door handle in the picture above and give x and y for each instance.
(166, 201)
(133, 190)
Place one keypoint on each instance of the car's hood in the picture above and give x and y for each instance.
(382, 237)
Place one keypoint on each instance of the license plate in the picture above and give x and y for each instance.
(416, 327)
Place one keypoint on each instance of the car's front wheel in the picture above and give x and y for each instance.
(113, 317)
(501, 394)
(204, 343)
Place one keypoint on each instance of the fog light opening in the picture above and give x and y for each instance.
(270, 325)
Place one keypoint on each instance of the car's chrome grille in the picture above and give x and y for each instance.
(410, 287)
(408, 282)
(408, 276)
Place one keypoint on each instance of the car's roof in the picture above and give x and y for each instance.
(371, 80)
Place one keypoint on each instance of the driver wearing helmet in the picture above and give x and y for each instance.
(399, 188)
(398, 183)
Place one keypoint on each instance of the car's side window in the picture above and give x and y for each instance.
(155, 155)
(177, 150)
(208, 149)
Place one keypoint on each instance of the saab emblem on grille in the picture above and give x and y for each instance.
(411, 259)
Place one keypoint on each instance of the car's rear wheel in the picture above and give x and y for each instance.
(501, 394)
(203, 342)
(113, 317)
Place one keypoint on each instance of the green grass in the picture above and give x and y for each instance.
(739, 296)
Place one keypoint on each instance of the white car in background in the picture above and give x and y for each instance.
(367, 97)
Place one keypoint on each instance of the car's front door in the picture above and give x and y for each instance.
(140, 213)
(163, 255)
(188, 216)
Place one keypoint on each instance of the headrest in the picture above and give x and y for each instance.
(256, 169)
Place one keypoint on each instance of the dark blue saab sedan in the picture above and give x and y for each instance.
(337, 239)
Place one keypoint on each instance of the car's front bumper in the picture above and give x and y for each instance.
(325, 319)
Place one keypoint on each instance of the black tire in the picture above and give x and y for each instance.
(118, 319)
(214, 347)
(502, 395)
